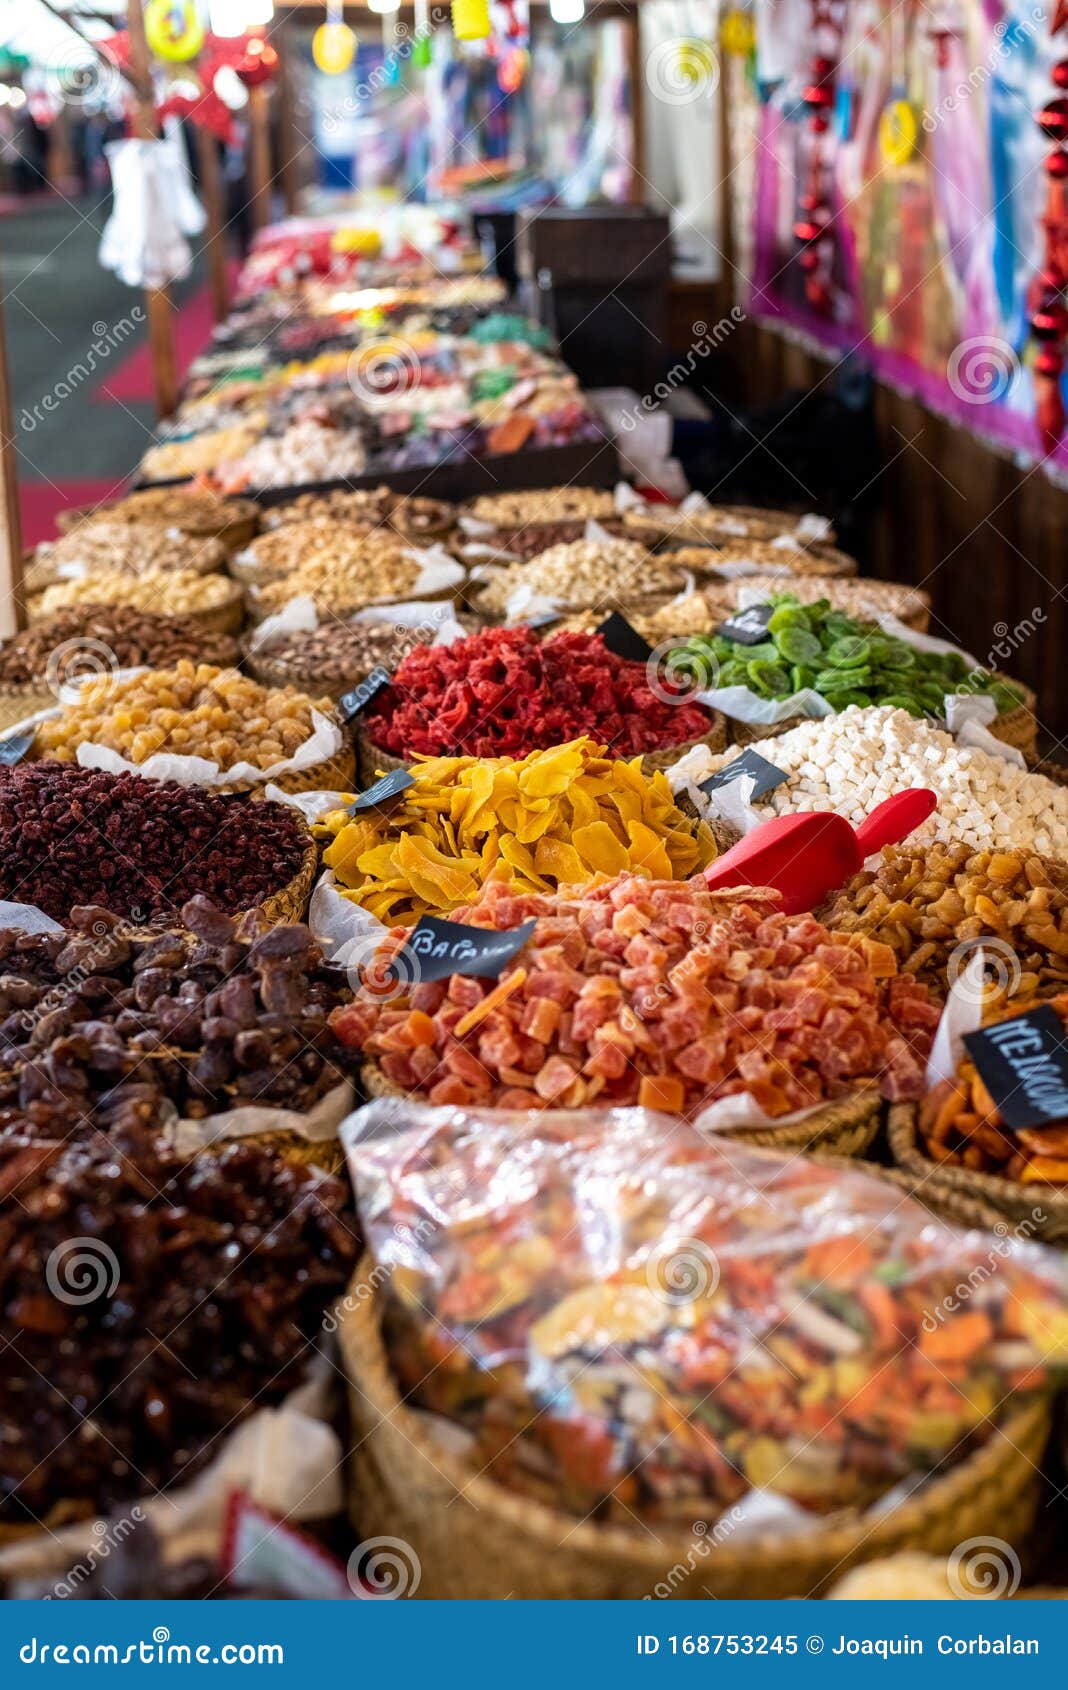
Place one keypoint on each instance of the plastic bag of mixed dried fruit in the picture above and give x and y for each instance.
(631, 1319)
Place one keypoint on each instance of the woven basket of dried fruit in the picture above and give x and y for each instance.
(233, 521)
(847, 1127)
(227, 616)
(476, 1540)
(982, 1199)
(333, 774)
(283, 675)
(16, 705)
(1013, 727)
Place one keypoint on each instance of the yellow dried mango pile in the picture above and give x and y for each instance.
(560, 817)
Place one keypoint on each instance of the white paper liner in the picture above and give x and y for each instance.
(318, 1125)
(923, 642)
(813, 529)
(731, 1114)
(747, 706)
(300, 616)
(974, 734)
(323, 743)
(695, 504)
(963, 1013)
(347, 934)
(288, 1459)
(525, 601)
(27, 918)
(312, 805)
(626, 499)
(477, 553)
(733, 569)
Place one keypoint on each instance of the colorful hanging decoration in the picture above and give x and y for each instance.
(471, 20)
(512, 70)
(173, 30)
(1046, 304)
(737, 33)
(334, 43)
(258, 63)
(899, 129)
(812, 228)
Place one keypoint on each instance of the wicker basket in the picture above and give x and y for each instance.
(476, 1540)
(274, 675)
(226, 617)
(16, 706)
(240, 521)
(334, 774)
(1013, 727)
(977, 1199)
(846, 1128)
(291, 901)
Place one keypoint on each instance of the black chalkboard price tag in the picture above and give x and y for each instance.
(748, 627)
(621, 638)
(438, 948)
(766, 775)
(383, 791)
(1023, 1063)
(352, 703)
(13, 750)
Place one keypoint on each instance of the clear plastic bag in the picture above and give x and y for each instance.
(630, 1319)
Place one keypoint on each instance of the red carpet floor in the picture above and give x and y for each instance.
(40, 500)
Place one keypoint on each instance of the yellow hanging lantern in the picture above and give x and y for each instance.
(899, 132)
(173, 30)
(333, 47)
(471, 20)
(737, 33)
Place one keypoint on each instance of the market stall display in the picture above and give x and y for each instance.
(380, 746)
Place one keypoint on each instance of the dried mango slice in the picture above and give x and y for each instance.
(600, 850)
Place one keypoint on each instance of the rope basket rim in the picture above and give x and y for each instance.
(1006, 1196)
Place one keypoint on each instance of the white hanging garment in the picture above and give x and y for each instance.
(142, 240)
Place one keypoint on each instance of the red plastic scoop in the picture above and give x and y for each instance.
(807, 856)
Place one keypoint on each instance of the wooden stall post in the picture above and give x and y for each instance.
(211, 188)
(12, 602)
(636, 77)
(259, 156)
(157, 300)
(288, 172)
